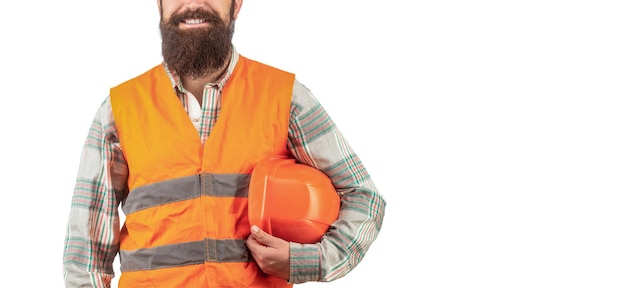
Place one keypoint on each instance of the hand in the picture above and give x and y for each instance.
(269, 252)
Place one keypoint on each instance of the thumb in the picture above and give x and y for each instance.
(261, 236)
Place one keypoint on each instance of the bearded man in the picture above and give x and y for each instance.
(175, 147)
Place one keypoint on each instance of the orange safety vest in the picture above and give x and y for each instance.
(187, 209)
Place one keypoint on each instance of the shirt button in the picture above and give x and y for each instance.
(196, 119)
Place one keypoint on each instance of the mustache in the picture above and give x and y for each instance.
(195, 14)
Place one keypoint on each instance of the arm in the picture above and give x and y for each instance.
(316, 141)
(92, 239)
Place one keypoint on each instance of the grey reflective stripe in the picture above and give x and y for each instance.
(189, 253)
(225, 185)
(161, 193)
(174, 190)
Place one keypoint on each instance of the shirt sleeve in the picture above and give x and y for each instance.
(315, 140)
(92, 235)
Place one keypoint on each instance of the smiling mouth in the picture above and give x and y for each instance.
(194, 21)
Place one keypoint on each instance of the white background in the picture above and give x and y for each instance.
(494, 129)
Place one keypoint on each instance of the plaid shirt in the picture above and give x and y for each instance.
(92, 239)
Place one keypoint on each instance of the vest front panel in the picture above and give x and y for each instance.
(186, 212)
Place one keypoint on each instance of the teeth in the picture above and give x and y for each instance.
(193, 21)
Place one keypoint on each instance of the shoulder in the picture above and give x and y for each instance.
(302, 97)
(262, 70)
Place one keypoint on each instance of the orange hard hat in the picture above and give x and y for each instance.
(292, 201)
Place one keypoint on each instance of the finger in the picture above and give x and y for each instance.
(261, 236)
(250, 241)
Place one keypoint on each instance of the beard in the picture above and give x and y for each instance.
(196, 52)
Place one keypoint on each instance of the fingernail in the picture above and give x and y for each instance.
(254, 229)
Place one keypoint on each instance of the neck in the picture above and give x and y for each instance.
(195, 85)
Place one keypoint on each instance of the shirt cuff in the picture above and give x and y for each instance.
(305, 263)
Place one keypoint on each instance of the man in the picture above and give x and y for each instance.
(175, 147)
